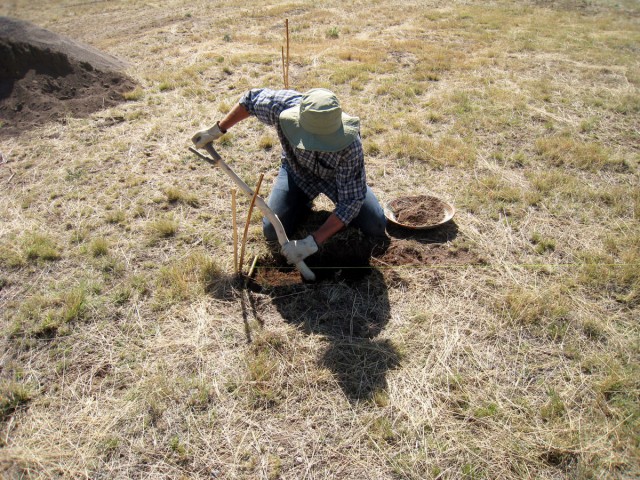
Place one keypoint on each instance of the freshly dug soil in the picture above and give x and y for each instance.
(334, 264)
(418, 211)
(407, 252)
(270, 275)
(349, 257)
(45, 77)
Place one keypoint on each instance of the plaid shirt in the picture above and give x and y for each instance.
(339, 175)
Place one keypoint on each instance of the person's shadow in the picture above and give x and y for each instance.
(349, 314)
(349, 306)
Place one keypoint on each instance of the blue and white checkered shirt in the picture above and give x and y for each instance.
(339, 175)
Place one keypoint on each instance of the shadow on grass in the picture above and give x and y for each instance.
(361, 365)
(348, 305)
(349, 314)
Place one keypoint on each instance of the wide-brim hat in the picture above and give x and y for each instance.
(318, 123)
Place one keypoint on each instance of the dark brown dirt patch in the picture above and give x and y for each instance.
(46, 77)
(408, 252)
(271, 275)
(418, 211)
(346, 262)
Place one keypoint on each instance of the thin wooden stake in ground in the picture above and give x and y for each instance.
(246, 225)
(235, 231)
(285, 61)
(284, 70)
(253, 266)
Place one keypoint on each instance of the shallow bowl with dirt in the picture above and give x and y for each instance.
(418, 212)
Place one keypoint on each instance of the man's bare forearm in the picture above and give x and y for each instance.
(328, 229)
(237, 114)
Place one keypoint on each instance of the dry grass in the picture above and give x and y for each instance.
(127, 350)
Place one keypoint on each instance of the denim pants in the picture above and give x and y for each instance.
(290, 203)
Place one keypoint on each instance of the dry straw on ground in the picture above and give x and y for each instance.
(504, 346)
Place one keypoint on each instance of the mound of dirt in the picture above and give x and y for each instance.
(45, 77)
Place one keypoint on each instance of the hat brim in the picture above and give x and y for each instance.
(300, 138)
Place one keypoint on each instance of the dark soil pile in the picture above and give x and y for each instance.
(45, 77)
(418, 211)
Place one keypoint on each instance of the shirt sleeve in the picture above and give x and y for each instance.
(266, 104)
(351, 183)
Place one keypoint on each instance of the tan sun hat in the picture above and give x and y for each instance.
(318, 123)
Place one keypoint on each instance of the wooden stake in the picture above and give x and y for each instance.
(253, 266)
(235, 231)
(284, 70)
(286, 78)
(246, 225)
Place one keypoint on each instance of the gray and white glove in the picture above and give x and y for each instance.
(298, 250)
(204, 137)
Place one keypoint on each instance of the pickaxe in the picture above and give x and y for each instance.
(262, 205)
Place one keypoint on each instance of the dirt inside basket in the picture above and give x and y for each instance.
(418, 211)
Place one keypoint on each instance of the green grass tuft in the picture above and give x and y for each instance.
(266, 142)
(176, 195)
(10, 257)
(446, 152)
(262, 387)
(99, 247)
(44, 316)
(162, 228)
(614, 270)
(38, 246)
(333, 32)
(134, 95)
(554, 408)
(542, 244)
(12, 396)
(382, 430)
(544, 311)
(115, 216)
(195, 275)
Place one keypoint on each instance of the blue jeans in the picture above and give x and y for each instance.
(290, 203)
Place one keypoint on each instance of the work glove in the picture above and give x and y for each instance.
(204, 137)
(298, 250)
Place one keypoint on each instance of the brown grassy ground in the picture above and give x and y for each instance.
(128, 352)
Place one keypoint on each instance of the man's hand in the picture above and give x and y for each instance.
(298, 250)
(205, 137)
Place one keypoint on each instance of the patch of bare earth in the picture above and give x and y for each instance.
(355, 258)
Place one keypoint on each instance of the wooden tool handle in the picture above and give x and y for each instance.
(262, 205)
